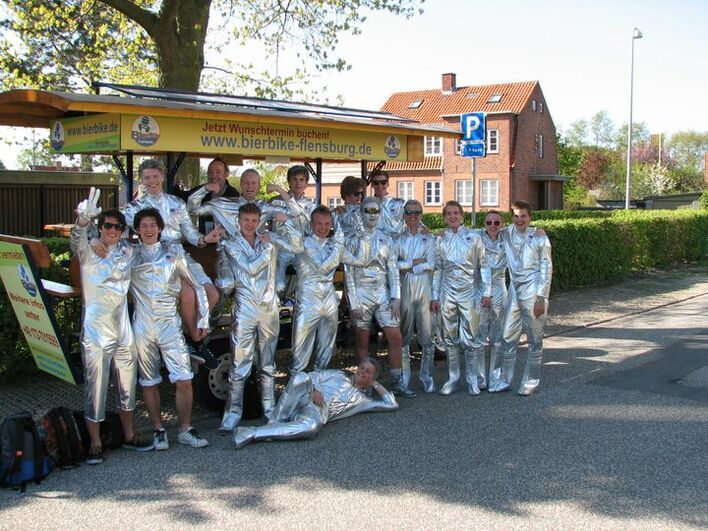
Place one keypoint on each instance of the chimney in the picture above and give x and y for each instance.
(449, 83)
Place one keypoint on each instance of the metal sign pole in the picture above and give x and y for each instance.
(474, 191)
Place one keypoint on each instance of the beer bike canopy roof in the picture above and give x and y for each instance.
(157, 121)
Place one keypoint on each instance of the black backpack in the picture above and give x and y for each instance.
(62, 438)
(22, 457)
(111, 430)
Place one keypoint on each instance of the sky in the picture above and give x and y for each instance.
(579, 50)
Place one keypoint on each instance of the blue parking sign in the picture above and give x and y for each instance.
(473, 126)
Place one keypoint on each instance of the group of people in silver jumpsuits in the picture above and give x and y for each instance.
(411, 282)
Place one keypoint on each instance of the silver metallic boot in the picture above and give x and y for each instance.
(426, 369)
(471, 369)
(267, 382)
(452, 385)
(234, 408)
(400, 388)
(243, 436)
(532, 373)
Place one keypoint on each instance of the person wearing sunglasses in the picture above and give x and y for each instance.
(374, 289)
(251, 259)
(461, 272)
(530, 265)
(316, 310)
(347, 218)
(391, 219)
(416, 262)
(106, 335)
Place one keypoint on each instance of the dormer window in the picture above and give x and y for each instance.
(495, 98)
(415, 104)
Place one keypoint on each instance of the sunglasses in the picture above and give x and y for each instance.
(412, 212)
(371, 211)
(117, 226)
(358, 194)
(379, 183)
(495, 222)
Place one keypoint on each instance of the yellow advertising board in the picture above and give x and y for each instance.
(86, 134)
(28, 299)
(151, 133)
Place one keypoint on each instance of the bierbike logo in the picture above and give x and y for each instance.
(57, 139)
(145, 131)
(26, 280)
(392, 147)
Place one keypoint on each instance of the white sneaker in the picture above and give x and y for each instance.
(191, 437)
(159, 439)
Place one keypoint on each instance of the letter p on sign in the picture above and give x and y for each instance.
(473, 126)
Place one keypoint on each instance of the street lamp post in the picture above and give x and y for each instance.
(636, 34)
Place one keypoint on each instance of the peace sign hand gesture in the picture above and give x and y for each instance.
(88, 208)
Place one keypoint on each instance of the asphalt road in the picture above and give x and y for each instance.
(616, 437)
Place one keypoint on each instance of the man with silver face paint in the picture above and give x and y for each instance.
(528, 255)
(317, 307)
(391, 218)
(374, 290)
(459, 253)
(252, 258)
(416, 262)
(298, 176)
(159, 270)
(312, 400)
(106, 334)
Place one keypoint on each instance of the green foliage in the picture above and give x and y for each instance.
(15, 356)
(703, 200)
(589, 251)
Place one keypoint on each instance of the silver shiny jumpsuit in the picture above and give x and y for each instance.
(416, 288)
(317, 307)
(177, 224)
(158, 272)
(256, 324)
(350, 222)
(530, 267)
(391, 216)
(296, 415)
(458, 256)
(492, 318)
(372, 285)
(301, 222)
(106, 334)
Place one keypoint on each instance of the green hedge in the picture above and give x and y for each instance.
(15, 357)
(588, 251)
(435, 220)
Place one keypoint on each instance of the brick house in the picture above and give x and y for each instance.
(521, 160)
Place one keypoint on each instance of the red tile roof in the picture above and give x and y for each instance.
(436, 104)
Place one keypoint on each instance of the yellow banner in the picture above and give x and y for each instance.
(25, 292)
(86, 134)
(150, 133)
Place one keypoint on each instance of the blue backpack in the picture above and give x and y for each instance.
(22, 456)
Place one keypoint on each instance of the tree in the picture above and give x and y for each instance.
(640, 135)
(569, 156)
(166, 41)
(602, 129)
(593, 168)
(688, 149)
(577, 133)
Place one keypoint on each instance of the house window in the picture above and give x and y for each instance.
(404, 190)
(432, 192)
(533, 105)
(433, 145)
(458, 146)
(540, 146)
(463, 192)
(540, 107)
(415, 104)
(334, 202)
(495, 98)
(489, 192)
(492, 140)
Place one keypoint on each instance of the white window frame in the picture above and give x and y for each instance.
(488, 194)
(540, 146)
(463, 187)
(458, 147)
(432, 189)
(404, 190)
(492, 133)
(433, 146)
(334, 202)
